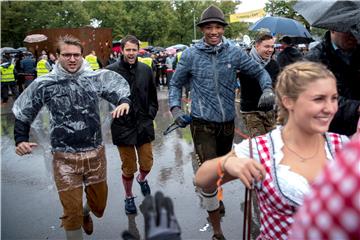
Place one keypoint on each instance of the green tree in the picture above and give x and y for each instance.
(158, 22)
(112, 14)
(20, 17)
(14, 23)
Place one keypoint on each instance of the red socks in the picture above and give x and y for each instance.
(141, 177)
(127, 182)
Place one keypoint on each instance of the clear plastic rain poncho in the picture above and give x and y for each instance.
(72, 101)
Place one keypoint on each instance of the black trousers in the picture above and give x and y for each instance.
(5, 86)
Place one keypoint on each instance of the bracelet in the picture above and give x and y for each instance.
(220, 173)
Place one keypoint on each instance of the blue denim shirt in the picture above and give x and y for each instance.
(211, 71)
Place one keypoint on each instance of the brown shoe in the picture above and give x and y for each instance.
(88, 225)
(218, 236)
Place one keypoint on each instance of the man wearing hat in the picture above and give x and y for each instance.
(289, 55)
(210, 67)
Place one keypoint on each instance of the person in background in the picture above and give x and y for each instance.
(112, 59)
(7, 80)
(145, 57)
(28, 66)
(19, 78)
(210, 66)
(340, 52)
(93, 60)
(258, 121)
(51, 62)
(287, 159)
(133, 133)
(160, 67)
(289, 54)
(71, 94)
(41, 66)
(169, 67)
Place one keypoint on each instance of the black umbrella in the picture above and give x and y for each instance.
(341, 16)
(301, 40)
(148, 48)
(158, 49)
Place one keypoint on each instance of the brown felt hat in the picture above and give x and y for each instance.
(212, 14)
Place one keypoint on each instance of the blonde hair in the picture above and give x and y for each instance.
(294, 79)
(69, 40)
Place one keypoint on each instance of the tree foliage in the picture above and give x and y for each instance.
(160, 23)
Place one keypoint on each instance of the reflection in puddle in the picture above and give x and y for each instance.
(203, 229)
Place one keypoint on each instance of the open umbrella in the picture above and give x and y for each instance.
(179, 46)
(35, 38)
(341, 16)
(281, 25)
(157, 49)
(9, 50)
(171, 50)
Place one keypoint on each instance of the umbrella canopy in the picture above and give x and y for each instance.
(8, 50)
(301, 40)
(35, 38)
(179, 46)
(157, 49)
(171, 50)
(341, 16)
(148, 48)
(281, 25)
(22, 49)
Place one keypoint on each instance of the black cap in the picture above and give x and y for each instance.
(212, 14)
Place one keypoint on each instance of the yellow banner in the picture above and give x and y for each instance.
(143, 44)
(250, 16)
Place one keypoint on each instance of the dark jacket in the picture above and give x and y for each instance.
(287, 56)
(28, 65)
(348, 84)
(250, 88)
(136, 128)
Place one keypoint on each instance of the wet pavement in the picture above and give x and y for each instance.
(30, 208)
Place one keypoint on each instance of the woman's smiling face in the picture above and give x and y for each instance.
(315, 107)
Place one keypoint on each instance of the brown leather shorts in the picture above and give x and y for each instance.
(71, 172)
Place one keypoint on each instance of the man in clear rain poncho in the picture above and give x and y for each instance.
(71, 93)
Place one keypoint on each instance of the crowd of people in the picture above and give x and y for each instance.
(299, 110)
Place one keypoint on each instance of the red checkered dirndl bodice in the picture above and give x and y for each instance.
(276, 210)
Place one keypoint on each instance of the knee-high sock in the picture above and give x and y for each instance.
(74, 234)
(127, 182)
(142, 175)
